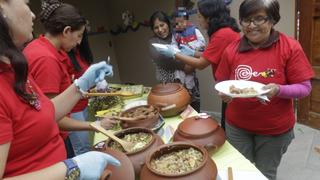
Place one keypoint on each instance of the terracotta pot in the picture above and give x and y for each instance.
(125, 171)
(201, 130)
(207, 170)
(172, 98)
(149, 120)
(138, 158)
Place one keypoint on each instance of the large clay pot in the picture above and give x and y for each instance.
(138, 158)
(201, 130)
(172, 98)
(125, 171)
(207, 170)
(149, 120)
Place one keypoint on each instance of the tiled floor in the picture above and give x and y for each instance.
(301, 162)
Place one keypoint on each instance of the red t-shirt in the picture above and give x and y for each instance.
(47, 66)
(217, 44)
(34, 135)
(75, 75)
(283, 62)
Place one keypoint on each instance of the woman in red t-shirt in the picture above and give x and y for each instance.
(30, 144)
(47, 59)
(214, 16)
(263, 131)
(79, 60)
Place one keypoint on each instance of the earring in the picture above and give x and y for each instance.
(4, 16)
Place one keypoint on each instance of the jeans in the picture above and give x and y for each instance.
(80, 139)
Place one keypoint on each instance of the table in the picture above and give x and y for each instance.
(226, 156)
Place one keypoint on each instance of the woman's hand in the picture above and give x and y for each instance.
(273, 89)
(93, 75)
(108, 123)
(185, 50)
(225, 98)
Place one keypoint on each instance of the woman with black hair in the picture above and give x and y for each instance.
(47, 58)
(262, 132)
(214, 16)
(167, 67)
(30, 144)
(79, 60)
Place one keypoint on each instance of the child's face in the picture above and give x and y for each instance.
(180, 23)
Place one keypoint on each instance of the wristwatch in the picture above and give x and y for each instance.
(73, 171)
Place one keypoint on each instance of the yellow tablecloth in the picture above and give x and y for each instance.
(226, 156)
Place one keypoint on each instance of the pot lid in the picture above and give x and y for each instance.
(166, 88)
(198, 125)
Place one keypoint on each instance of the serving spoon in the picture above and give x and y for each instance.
(127, 146)
(120, 93)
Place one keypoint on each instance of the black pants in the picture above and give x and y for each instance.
(69, 149)
(195, 105)
(223, 115)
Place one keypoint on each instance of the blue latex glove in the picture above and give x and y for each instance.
(167, 52)
(93, 163)
(93, 75)
(185, 50)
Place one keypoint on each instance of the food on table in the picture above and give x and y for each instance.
(143, 111)
(140, 140)
(246, 91)
(178, 162)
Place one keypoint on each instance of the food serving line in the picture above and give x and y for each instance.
(225, 157)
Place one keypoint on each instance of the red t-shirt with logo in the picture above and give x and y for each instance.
(47, 66)
(219, 40)
(82, 104)
(34, 135)
(284, 62)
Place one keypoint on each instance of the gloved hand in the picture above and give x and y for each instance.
(94, 74)
(185, 50)
(93, 163)
(167, 52)
(102, 86)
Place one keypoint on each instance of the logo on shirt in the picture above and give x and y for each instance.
(245, 72)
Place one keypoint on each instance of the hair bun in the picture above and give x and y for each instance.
(47, 8)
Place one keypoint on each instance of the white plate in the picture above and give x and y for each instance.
(166, 46)
(134, 104)
(224, 87)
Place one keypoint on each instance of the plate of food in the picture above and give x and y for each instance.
(241, 88)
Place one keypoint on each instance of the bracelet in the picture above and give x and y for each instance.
(82, 92)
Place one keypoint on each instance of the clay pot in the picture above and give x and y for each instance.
(149, 120)
(125, 171)
(207, 170)
(172, 98)
(201, 130)
(138, 158)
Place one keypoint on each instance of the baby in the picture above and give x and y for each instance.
(189, 35)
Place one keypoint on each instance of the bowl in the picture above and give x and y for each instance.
(171, 98)
(205, 169)
(211, 136)
(148, 116)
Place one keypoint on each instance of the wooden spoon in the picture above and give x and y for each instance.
(230, 174)
(165, 106)
(127, 146)
(120, 93)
